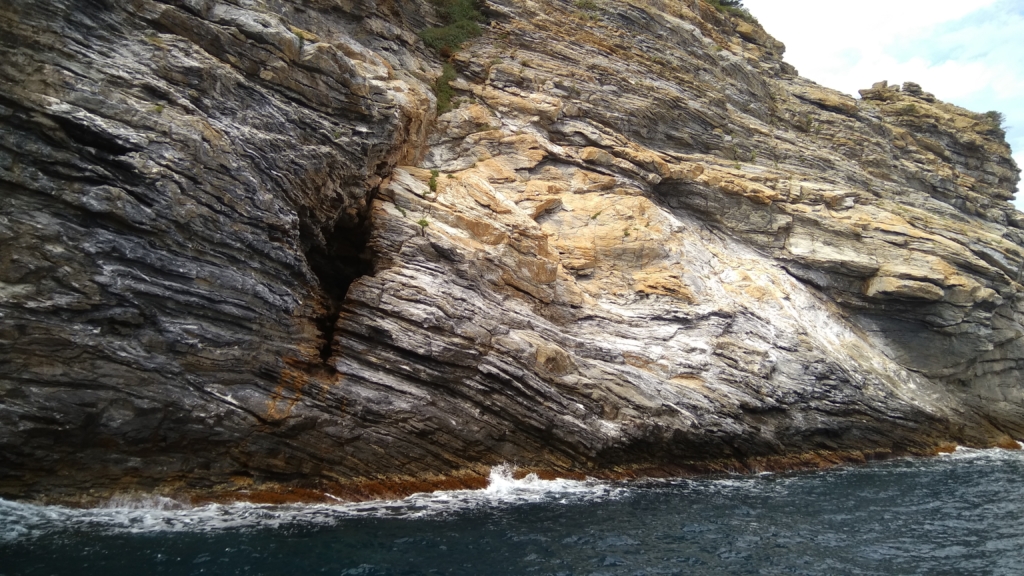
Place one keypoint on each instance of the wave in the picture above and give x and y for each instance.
(993, 454)
(136, 513)
(144, 513)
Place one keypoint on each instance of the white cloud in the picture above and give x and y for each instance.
(965, 52)
(821, 37)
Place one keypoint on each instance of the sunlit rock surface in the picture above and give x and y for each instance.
(239, 251)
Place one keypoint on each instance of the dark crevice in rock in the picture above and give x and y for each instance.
(325, 324)
(89, 137)
(340, 260)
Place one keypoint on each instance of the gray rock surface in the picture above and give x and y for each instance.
(647, 246)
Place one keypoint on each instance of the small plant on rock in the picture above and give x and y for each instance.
(992, 123)
(734, 8)
(432, 184)
(443, 88)
(995, 118)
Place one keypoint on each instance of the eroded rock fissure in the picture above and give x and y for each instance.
(339, 261)
(645, 246)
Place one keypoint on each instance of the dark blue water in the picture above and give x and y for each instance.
(957, 514)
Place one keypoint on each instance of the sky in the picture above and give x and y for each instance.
(967, 52)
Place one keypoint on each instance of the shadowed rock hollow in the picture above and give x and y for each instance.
(241, 254)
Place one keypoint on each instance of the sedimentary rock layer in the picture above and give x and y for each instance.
(239, 247)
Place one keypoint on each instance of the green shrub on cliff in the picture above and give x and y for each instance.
(462, 23)
(995, 117)
(443, 88)
(992, 124)
(734, 7)
(432, 184)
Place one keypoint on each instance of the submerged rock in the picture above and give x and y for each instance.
(241, 252)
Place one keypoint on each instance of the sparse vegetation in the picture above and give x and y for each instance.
(443, 88)
(993, 123)
(994, 117)
(727, 5)
(423, 225)
(462, 23)
(432, 184)
(587, 5)
(734, 8)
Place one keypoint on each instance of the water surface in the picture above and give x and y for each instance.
(956, 514)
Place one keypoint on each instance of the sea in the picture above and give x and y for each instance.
(959, 513)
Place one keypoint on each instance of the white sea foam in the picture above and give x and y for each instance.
(134, 513)
(965, 453)
(138, 513)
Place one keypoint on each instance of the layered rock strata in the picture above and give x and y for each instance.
(240, 251)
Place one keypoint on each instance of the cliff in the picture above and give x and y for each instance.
(242, 255)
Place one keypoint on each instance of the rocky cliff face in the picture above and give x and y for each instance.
(240, 252)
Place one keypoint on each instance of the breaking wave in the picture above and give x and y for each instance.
(955, 514)
(134, 513)
(140, 513)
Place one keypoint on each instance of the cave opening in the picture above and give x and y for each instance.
(343, 257)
